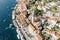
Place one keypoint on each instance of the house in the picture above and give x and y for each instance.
(42, 2)
(37, 17)
(44, 8)
(22, 7)
(58, 24)
(24, 13)
(17, 9)
(26, 1)
(19, 17)
(53, 32)
(27, 21)
(49, 13)
(39, 27)
(39, 7)
(36, 31)
(30, 17)
(52, 20)
(39, 37)
(36, 24)
(31, 29)
(50, 31)
(23, 23)
(57, 35)
(45, 16)
(52, 4)
(50, 26)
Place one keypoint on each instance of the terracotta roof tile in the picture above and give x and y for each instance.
(32, 27)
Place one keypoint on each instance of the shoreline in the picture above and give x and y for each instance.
(20, 28)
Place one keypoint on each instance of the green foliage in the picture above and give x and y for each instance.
(29, 5)
(43, 33)
(54, 9)
(18, 13)
(56, 28)
(46, 34)
(46, 24)
(40, 0)
(38, 12)
(49, 1)
(59, 39)
(28, 15)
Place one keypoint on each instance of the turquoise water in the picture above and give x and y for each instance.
(7, 33)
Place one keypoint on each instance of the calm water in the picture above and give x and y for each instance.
(6, 33)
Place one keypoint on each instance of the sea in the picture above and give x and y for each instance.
(6, 8)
